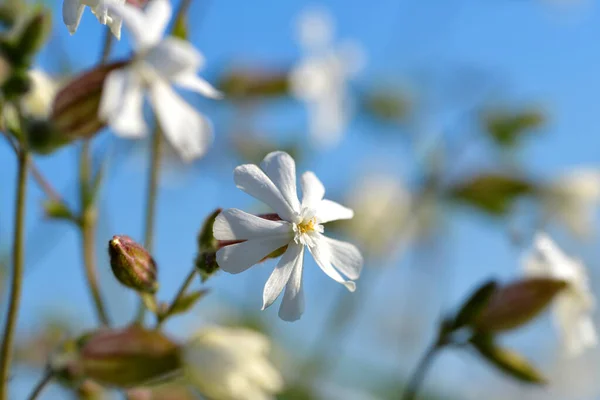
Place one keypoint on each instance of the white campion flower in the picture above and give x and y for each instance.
(573, 198)
(572, 307)
(73, 10)
(321, 78)
(300, 226)
(38, 101)
(231, 364)
(158, 62)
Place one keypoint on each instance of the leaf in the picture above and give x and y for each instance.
(508, 361)
(57, 209)
(184, 303)
(507, 127)
(518, 303)
(476, 303)
(493, 193)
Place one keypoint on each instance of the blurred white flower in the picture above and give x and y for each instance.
(38, 101)
(573, 198)
(300, 226)
(321, 78)
(574, 306)
(73, 10)
(231, 364)
(158, 63)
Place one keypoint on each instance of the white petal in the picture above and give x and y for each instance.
(281, 274)
(253, 181)
(281, 169)
(292, 305)
(313, 190)
(322, 255)
(135, 21)
(194, 83)
(187, 130)
(122, 104)
(72, 11)
(328, 210)
(115, 26)
(172, 57)
(345, 257)
(239, 257)
(158, 14)
(234, 224)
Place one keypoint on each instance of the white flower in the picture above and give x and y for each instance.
(573, 199)
(73, 10)
(231, 364)
(158, 63)
(38, 101)
(572, 307)
(300, 227)
(321, 79)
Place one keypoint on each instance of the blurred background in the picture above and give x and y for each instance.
(456, 130)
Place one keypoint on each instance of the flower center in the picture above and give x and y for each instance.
(307, 226)
(305, 229)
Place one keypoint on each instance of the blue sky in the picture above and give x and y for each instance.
(531, 52)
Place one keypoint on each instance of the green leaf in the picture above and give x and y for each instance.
(518, 303)
(507, 127)
(492, 193)
(184, 303)
(508, 361)
(56, 209)
(476, 303)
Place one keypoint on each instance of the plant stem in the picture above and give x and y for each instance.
(17, 273)
(410, 393)
(87, 226)
(182, 289)
(40, 386)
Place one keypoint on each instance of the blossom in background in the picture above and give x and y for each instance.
(573, 307)
(158, 62)
(300, 226)
(231, 364)
(38, 101)
(321, 78)
(573, 198)
(73, 10)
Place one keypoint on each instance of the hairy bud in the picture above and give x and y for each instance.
(132, 265)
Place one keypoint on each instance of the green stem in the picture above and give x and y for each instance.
(40, 386)
(416, 380)
(107, 46)
(17, 274)
(184, 287)
(87, 226)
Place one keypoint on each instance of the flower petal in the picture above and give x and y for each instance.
(253, 181)
(281, 274)
(158, 14)
(187, 130)
(234, 224)
(328, 210)
(345, 257)
(72, 11)
(292, 305)
(196, 84)
(323, 256)
(172, 57)
(313, 190)
(239, 257)
(135, 21)
(281, 169)
(122, 104)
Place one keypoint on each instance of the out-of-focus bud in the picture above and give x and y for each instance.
(206, 264)
(43, 137)
(476, 303)
(248, 83)
(90, 390)
(75, 108)
(206, 239)
(16, 85)
(132, 265)
(34, 33)
(518, 303)
(56, 209)
(118, 358)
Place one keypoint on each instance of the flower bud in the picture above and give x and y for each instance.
(34, 33)
(206, 263)
(43, 137)
(206, 238)
(132, 265)
(75, 108)
(119, 358)
(517, 303)
(16, 85)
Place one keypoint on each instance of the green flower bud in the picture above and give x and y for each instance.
(34, 33)
(75, 107)
(43, 137)
(206, 263)
(132, 265)
(118, 358)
